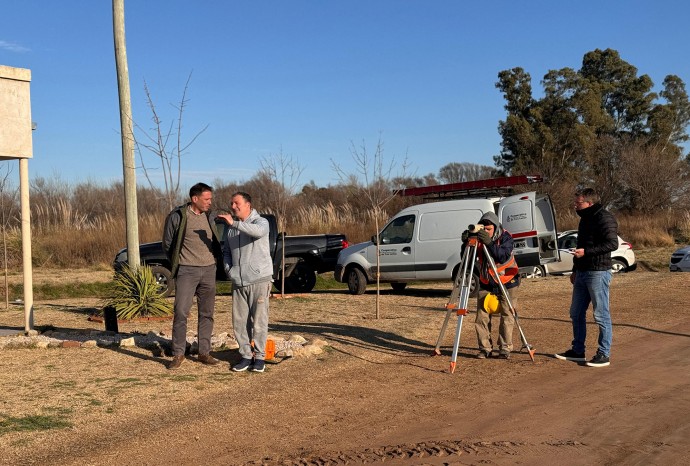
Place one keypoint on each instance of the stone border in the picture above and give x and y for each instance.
(158, 342)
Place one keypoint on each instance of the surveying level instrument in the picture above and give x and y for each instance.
(460, 296)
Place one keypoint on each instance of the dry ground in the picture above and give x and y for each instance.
(375, 395)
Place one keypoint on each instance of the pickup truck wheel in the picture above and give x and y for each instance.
(356, 281)
(398, 286)
(301, 280)
(164, 279)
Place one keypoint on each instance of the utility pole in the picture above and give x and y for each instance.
(128, 167)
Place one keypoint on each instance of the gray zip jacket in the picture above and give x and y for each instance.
(246, 252)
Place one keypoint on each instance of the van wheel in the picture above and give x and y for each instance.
(164, 279)
(398, 286)
(474, 286)
(618, 266)
(356, 281)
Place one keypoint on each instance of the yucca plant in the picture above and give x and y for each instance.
(136, 293)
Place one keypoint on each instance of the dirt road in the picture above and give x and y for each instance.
(377, 394)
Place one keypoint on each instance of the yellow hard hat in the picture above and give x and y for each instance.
(491, 303)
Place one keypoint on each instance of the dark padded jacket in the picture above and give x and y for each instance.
(597, 234)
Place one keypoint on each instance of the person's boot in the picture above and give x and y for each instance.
(176, 362)
(208, 359)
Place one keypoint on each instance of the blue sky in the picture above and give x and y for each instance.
(308, 78)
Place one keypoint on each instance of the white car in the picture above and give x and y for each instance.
(680, 260)
(622, 259)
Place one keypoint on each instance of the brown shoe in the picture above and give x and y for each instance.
(208, 359)
(176, 362)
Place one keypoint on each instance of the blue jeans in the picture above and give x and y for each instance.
(591, 286)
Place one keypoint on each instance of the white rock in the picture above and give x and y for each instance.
(298, 339)
(319, 342)
(42, 344)
(127, 342)
(89, 344)
(313, 349)
(232, 344)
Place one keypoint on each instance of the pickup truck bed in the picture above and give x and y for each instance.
(305, 256)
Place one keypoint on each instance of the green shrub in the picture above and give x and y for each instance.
(138, 294)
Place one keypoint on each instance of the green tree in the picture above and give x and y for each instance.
(579, 130)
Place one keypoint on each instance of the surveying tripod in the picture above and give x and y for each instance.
(460, 296)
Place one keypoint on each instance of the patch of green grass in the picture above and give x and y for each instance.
(131, 380)
(104, 380)
(58, 410)
(66, 290)
(326, 281)
(221, 377)
(223, 288)
(64, 384)
(32, 423)
(656, 258)
(183, 378)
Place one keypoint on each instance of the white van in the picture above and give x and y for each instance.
(423, 242)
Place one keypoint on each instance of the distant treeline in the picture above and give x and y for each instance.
(83, 225)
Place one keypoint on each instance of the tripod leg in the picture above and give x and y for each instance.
(460, 291)
(437, 350)
(456, 344)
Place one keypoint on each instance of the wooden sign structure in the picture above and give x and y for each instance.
(16, 143)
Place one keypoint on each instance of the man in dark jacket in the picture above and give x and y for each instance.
(597, 237)
(499, 244)
(191, 244)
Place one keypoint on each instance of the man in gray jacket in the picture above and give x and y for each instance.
(248, 264)
(190, 242)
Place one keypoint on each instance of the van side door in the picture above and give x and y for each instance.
(396, 248)
(531, 219)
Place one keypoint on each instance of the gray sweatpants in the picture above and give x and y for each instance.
(250, 318)
(200, 282)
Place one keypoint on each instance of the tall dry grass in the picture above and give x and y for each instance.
(83, 244)
(663, 229)
(357, 226)
(84, 226)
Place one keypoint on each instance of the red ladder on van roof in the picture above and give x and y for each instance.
(471, 188)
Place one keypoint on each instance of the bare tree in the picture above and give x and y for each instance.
(284, 171)
(375, 187)
(650, 190)
(165, 143)
(455, 172)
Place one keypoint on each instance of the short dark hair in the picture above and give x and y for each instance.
(199, 188)
(589, 195)
(246, 196)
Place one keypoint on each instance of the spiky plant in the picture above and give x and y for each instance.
(136, 293)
